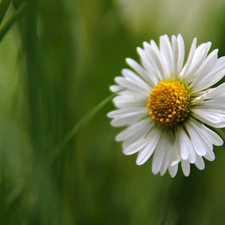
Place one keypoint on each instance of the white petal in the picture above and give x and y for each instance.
(213, 76)
(199, 130)
(208, 133)
(192, 155)
(136, 146)
(148, 78)
(204, 69)
(131, 101)
(214, 104)
(208, 63)
(185, 167)
(131, 85)
(212, 119)
(213, 136)
(209, 81)
(196, 140)
(175, 162)
(181, 53)
(218, 67)
(184, 144)
(142, 134)
(115, 88)
(175, 56)
(121, 112)
(153, 63)
(127, 116)
(212, 93)
(167, 55)
(173, 170)
(199, 163)
(208, 137)
(146, 153)
(190, 58)
(133, 77)
(168, 155)
(137, 128)
(198, 59)
(175, 151)
(210, 156)
(159, 154)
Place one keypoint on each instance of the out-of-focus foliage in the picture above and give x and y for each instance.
(56, 64)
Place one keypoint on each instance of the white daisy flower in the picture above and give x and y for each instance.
(168, 106)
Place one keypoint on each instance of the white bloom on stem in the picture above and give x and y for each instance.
(168, 107)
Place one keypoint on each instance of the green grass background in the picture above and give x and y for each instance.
(56, 64)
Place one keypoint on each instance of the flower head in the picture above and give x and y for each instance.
(169, 107)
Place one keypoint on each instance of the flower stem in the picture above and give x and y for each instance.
(8, 24)
(3, 8)
(70, 134)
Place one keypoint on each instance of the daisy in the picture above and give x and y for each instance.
(168, 107)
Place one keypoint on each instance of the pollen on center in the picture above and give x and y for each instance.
(169, 103)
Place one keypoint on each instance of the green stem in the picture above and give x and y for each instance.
(69, 135)
(3, 8)
(60, 147)
(8, 24)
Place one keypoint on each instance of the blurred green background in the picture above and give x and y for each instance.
(57, 62)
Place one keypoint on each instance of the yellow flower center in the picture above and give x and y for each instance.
(169, 103)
